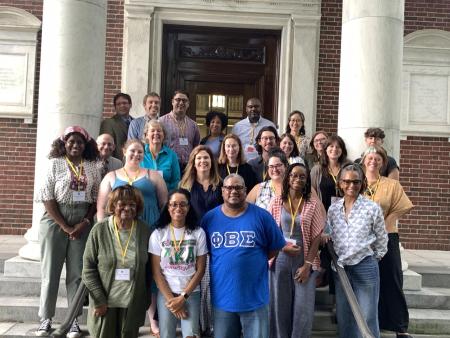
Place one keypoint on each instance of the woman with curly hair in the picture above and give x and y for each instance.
(69, 194)
(216, 122)
(301, 217)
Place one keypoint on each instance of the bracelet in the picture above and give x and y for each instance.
(308, 262)
(87, 221)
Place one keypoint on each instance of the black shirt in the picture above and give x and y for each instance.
(245, 170)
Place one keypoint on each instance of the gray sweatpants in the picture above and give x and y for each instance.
(56, 248)
(291, 303)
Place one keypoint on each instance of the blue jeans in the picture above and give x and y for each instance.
(168, 322)
(365, 281)
(252, 324)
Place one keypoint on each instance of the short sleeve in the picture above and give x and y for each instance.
(273, 233)
(154, 246)
(47, 190)
(202, 248)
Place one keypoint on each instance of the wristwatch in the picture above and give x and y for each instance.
(185, 295)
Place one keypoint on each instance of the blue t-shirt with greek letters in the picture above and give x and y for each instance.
(239, 265)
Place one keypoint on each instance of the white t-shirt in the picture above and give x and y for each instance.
(178, 267)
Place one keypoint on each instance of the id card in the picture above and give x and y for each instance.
(122, 274)
(183, 141)
(290, 241)
(79, 196)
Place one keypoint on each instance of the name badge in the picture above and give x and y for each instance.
(250, 149)
(183, 141)
(290, 241)
(160, 172)
(122, 274)
(79, 196)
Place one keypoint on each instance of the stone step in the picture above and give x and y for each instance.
(429, 298)
(22, 286)
(438, 277)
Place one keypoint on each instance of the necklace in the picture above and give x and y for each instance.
(131, 180)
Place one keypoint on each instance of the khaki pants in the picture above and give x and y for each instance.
(56, 248)
(111, 325)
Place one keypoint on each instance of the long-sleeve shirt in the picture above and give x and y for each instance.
(362, 234)
(182, 138)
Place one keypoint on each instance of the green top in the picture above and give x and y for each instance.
(99, 264)
(122, 287)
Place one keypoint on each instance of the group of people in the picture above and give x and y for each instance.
(224, 234)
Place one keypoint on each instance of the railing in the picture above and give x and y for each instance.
(73, 312)
(350, 295)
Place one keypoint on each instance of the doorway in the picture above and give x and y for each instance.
(220, 68)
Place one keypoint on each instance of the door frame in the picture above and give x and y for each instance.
(299, 53)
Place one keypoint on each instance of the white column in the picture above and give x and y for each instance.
(370, 73)
(138, 55)
(305, 65)
(71, 83)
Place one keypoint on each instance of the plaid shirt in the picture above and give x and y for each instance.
(313, 222)
(191, 132)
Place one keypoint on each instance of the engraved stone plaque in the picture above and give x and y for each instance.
(13, 73)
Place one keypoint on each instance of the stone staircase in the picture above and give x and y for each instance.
(427, 291)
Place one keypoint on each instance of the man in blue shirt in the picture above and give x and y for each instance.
(241, 239)
(152, 104)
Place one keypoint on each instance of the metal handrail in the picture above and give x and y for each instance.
(350, 295)
(73, 311)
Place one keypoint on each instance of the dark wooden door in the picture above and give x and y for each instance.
(233, 63)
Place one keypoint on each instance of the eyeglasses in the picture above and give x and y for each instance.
(320, 140)
(296, 120)
(178, 100)
(354, 182)
(230, 188)
(181, 205)
(268, 138)
(297, 177)
(275, 166)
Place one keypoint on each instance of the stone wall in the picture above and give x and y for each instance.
(425, 169)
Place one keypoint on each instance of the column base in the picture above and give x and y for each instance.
(32, 249)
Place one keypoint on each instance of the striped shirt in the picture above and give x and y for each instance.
(313, 221)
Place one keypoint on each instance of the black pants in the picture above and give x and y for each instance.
(392, 309)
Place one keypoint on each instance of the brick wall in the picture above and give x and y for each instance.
(418, 228)
(425, 175)
(17, 148)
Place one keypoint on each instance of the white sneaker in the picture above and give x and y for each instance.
(44, 328)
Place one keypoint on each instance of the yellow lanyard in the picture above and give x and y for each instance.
(176, 244)
(154, 159)
(123, 251)
(370, 192)
(264, 173)
(77, 172)
(181, 126)
(130, 181)
(294, 214)
(228, 170)
(332, 175)
(272, 187)
(252, 132)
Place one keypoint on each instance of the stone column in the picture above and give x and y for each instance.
(71, 83)
(370, 74)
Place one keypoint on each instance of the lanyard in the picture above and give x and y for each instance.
(252, 132)
(332, 175)
(370, 192)
(122, 250)
(176, 244)
(130, 181)
(181, 126)
(153, 159)
(228, 170)
(294, 214)
(77, 172)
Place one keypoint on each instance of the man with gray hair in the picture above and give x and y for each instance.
(241, 238)
(106, 147)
